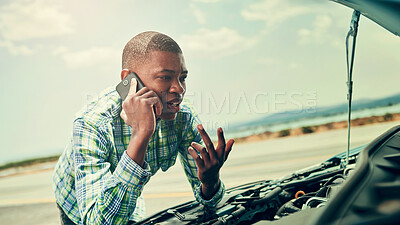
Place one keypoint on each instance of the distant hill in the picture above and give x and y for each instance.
(294, 115)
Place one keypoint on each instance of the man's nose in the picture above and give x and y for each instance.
(177, 87)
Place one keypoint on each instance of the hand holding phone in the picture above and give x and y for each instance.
(124, 86)
(141, 107)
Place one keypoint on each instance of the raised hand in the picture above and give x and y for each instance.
(210, 160)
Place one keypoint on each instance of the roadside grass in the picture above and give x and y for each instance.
(29, 162)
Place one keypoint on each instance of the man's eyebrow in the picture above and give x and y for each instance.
(173, 71)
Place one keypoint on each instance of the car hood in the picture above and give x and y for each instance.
(386, 13)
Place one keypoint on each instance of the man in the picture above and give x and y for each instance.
(117, 146)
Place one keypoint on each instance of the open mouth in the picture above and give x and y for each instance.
(173, 106)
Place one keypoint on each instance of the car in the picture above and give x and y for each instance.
(360, 186)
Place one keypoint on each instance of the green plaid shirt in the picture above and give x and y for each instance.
(95, 181)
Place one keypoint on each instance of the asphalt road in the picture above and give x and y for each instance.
(28, 198)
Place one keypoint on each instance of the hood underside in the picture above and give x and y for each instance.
(386, 13)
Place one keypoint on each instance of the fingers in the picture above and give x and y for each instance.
(123, 115)
(208, 163)
(196, 157)
(149, 97)
(228, 147)
(159, 107)
(203, 152)
(205, 137)
(221, 144)
(143, 91)
(222, 151)
(132, 89)
(153, 99)
(207, 141)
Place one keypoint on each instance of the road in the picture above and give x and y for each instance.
(29, 197)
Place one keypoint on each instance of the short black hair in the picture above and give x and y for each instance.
(137, 49)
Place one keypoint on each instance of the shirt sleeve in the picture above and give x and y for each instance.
(104, 197)
(191, 134)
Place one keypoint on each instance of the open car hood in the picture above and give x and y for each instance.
(386, 13)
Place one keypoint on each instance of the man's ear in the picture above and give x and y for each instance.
(124, 73)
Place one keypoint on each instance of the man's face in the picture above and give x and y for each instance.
(165, 74)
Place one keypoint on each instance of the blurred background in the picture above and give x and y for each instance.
(246, 60)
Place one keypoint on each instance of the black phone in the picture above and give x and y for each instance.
(125, 84)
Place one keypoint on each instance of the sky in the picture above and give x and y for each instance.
(246, 59)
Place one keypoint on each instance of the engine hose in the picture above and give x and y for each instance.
(299, 194)
(287, 208)
(234, 215)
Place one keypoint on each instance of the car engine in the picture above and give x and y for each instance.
(364, 191)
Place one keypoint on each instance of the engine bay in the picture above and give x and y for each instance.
(332, 192)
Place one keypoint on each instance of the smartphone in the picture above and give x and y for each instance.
(125, 84)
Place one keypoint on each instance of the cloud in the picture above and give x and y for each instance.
(319, 33)
(16, 49)
(274, 12)
(198, 14)
(94, 56)
(216, 43)
(25, 19)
